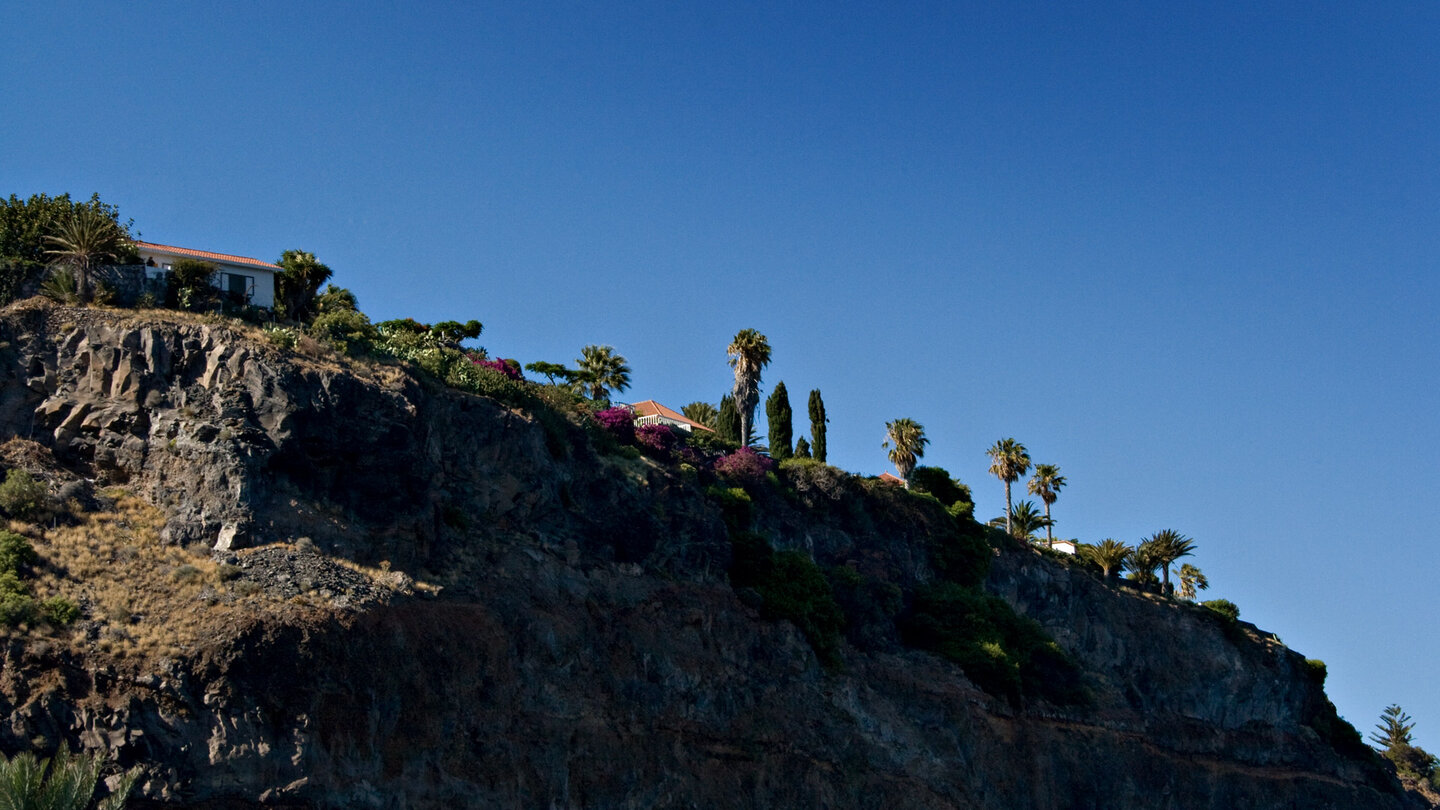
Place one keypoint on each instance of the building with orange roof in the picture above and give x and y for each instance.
(241, 276)
(651, 412)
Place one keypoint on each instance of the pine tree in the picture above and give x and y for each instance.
(728, 422)
(777, 410)
(817, 425)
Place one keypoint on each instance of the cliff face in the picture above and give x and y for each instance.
(586, 649)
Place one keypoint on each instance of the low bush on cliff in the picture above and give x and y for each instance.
(22, 496)
(1005, 654)
(792, 587)
(1227, 611)
(17, 605)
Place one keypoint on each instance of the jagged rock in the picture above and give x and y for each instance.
(587, 650)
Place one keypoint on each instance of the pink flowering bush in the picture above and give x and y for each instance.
(744, 466)
(618, 422)
(659, 440)
(510, 368)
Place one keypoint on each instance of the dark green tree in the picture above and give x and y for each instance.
(83, 243)
(817, 425)
(1167, 546)
(1394, 737)
(298, 283)
(555, 373)
(1109, 555)
(727, 423)
(191, 284)
(336, 299)
(802, 448)
(937, 482)
(24, 226)
(777, 411)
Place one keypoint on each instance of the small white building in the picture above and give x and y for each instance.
(242, 276)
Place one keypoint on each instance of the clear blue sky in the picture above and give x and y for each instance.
(1187, 253)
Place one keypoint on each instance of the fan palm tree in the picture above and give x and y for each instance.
(1191, 580)
(1008, 461)
(298, 282)
(83, 244)
(749, 353)
(1110, 555)
(906, 440)
(65, 783)
(1168, 546)
(702, 412)
(1025, 520)
(601, 371)
(1046, 483)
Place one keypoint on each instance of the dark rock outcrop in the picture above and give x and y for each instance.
(586, 650)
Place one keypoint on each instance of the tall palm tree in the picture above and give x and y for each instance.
(298, 282)
(749, 353)
(1008, 461)
(1191, 580)
(906, 440)
(601, 370)
(1046, 483)
(1110, 555)
(83, 244)
(1168, 546)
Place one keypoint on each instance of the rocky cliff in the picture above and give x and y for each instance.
(307, 581)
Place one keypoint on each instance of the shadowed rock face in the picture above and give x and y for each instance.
(587, 651)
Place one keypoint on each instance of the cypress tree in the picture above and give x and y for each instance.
(777, 410)
(817, 425)
(802, 448)
(727, 424)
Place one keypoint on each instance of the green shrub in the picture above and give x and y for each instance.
(1315, 669)
(15, 551)
(282, 336)
(16, 606)
(963, 555)
(793, 588)
(735, 506)
(1005, 654)
(59, 611)
(347, 330)
(186, 573)
(1223, 608)
(21, 495)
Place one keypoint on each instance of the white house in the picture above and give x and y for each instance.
(250, 279)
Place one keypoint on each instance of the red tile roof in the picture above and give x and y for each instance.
(652, 408)
(891, 479)
(207, 255)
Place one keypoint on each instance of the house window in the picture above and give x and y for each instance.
(239, 288)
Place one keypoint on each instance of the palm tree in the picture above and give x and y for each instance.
(1025, 520)
(1046, 483)
(906, 440)
(65, 783)
(749, 353)
(298, 282)
(1008, 461)
(1191, 580)
(1143, 562)
(702, 412)
(602, 370)
(1168, 546)
(1110, 555)
(83, 244)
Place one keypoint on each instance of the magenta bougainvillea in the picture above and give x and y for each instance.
(661, 439)
(743, 465)
(510, 368)
(618, 422)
